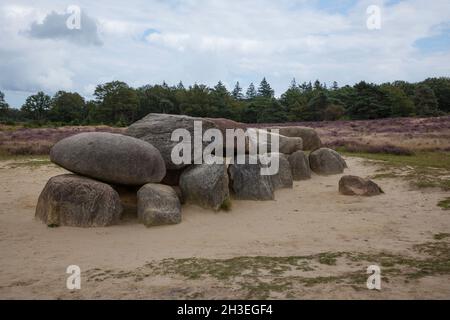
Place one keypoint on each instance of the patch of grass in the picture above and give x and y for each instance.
(444, 204)
(261, 290)
(194, 268)
(441, 236)
(437, 261)
(377, 149)
(25, 161)
(263, 277)
(6, 156)
(226, 205)
(31, 163)
(387, 175)
(420, 159)
(422, 170)
(26, 148)
(328, 258)
(427, 182)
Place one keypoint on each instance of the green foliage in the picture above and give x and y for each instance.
(294, 100)
(425, 101)
(400, 104)
(265, 90)
(237, 92)
(370, 102)
(4, 108)
(270, 111)
(37, 107)
(334, 112)
(445, 205)
(335, 86)
(441, 89)
(68, 107)
(315, 109)
(196, 102)
(158, 99)
(226, 205)
(116, 103)
(251, 92)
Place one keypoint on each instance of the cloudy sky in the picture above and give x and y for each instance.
(204, 41)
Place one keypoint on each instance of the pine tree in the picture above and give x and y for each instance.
(180, 86)
(237, 92)
(369, 102)
(315, 109)
(251, 92)
(220, 89)
(317, 85)
(306, 86)
(335, 86)
(220, 102)
(293, 100)
(265, 90)
(293, 84)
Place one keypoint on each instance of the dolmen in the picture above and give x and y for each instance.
(141, 169)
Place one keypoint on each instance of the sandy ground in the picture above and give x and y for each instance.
(310, 218)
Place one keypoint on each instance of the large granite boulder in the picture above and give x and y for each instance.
(247, 182)
(110, 157)
(286, 145)
(205, 185)
(326, 161)
(357, 186)
(76, 201)
(299, 166)
(239, 129)
(283, 178)
(157, 129)
(158, 204)
(311, 140)
(223, 124)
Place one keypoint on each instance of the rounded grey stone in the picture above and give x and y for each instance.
(205, 185)
(158, 204)
(72, 200)
(247, 182)
(354, 185)
(113, 158)
(326, 161)
(300, 166)
(157, 129)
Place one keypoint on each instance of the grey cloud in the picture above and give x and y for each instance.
(54, 27)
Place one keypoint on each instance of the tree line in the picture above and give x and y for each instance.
(116, 103)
